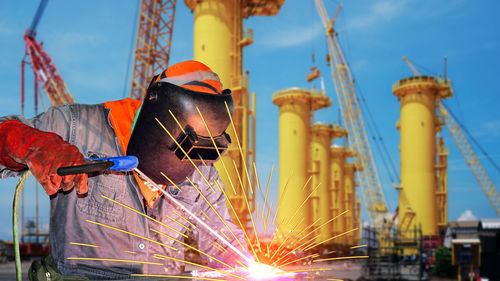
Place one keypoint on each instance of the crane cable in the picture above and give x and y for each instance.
(375, 133)
(485, 153)
(130, 55)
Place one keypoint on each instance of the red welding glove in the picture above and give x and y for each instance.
(22, 147)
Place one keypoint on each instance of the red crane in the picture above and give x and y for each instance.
(44, 68)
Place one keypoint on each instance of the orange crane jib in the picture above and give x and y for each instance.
(44, 68)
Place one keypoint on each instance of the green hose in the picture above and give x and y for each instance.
(19, 189)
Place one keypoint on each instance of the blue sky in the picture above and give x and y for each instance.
(90, 44)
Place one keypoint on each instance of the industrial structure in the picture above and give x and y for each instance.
(324, 175)
(318, 179)
(417, 204)
(154, 39)
(316, 182)
(295, 188)
(219, 40)
(367, 176)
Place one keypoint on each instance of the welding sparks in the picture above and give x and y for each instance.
(287, 253)
(175, 276)
(259, 271)
(342, 258)
(114, 260)
(85, 245)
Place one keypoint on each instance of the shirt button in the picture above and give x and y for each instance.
(141, 246)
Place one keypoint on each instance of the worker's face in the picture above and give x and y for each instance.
(166, 112)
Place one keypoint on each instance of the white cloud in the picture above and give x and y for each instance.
(381, 11)
(489, 128)
(291, 37)
(467, 216)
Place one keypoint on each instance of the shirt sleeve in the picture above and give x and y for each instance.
(55, 119)
(214, 212)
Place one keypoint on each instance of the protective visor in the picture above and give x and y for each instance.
(199, 148)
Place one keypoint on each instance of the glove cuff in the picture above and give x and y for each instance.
(15, 139)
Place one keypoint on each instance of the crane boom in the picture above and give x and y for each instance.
(154, 38)
(351, 113)
(471, 159)
(44, 68)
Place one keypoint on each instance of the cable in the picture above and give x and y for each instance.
(375, 133)
(134, 28)
(472, 138)
(15, 226)
(380, 139)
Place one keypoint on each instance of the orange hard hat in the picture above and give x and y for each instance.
(192, 75)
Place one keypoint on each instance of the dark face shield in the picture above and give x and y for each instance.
(167, 109)
(199, 149)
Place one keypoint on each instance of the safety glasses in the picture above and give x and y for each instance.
(199, 148)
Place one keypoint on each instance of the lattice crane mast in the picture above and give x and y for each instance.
(44, 68)
(154, 38)
(471, 159)
(351, 113)
(467, 151)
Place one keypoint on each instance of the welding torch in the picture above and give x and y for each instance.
(118, 164)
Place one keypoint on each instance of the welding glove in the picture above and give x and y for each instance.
(22, 147)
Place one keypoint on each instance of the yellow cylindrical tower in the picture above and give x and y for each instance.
(337, 156)
(322, 135)
(349, 202)
(357, 238)
(320, 162)
(418, 96)
(218, 42)
(295, 106)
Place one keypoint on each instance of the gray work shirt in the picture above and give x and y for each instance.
(114, 231)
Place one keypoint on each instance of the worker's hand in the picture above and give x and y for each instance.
(22, 146)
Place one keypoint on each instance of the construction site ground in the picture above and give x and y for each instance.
(340, 270)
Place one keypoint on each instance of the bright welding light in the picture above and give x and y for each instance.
(260, 271)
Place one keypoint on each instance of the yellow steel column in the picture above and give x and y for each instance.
(294, 206)
(217, 30)
(418, 96)
(320, 152)
(350, 203)
(442, 184)
(337, 183)
(358, 220)
(218, 42)
(322, 135)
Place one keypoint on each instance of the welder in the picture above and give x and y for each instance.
(99, 218)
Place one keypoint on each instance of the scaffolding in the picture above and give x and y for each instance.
(395, 254)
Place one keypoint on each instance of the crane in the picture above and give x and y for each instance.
(351, 113)
(154, 38)
(471, 159)
(467, 151)
(44, 68)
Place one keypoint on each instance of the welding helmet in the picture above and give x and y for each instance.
(170, 131)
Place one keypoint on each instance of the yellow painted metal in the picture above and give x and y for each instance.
(337, 159)
(349, 203)
(349, 105)
(418, 96)
(295, 106)
(358, 220)
(442, 183)
(217, 30)
(322, 135)
(218, 42)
